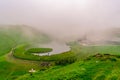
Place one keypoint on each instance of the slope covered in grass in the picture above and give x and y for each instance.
(86, 68)
(93, 69)
(10, 37)
(106, 49)
(5, 44)
(83, 51)
(13, 35)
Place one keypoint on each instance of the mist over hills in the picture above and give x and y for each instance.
(24, 33)
(109, 36)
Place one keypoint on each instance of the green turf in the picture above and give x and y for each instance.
(83, 51)
(103, 49)
(81, 70)
(5, 44)
(39, 50)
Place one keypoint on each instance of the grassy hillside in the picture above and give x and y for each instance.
(102, 66)
(92, 69)
(10, 37)
(5, 44)
(83, 51)
(111, 49)
(87, 68)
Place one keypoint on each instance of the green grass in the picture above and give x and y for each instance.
(83, 51)
(39, 50)
(5, 44)
(10, 38)
(10, 70)
(81, 70)
(113, 49)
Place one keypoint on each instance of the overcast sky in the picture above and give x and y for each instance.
(66, 16)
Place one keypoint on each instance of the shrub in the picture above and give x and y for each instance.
(45, 64)
(113, 59)
(118, 56)
(87, 58)
(66, 60)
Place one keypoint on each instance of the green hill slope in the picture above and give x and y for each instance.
(13, 35)
(10, 37)
(93, 69)
(88, 67)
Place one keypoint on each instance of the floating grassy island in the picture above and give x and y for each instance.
(39, 50)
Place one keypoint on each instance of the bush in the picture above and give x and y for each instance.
(113, 59)
(118, 56)
(87, 58)
(66, 60)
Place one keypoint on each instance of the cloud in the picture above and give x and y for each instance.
(62, 18)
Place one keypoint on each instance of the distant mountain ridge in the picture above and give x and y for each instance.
(24, 33)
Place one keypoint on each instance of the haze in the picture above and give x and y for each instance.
(62, 18)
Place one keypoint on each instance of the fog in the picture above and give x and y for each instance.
(63, 19)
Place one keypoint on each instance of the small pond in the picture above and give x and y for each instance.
(58, 47)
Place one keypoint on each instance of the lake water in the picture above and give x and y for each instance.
(57, 47)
